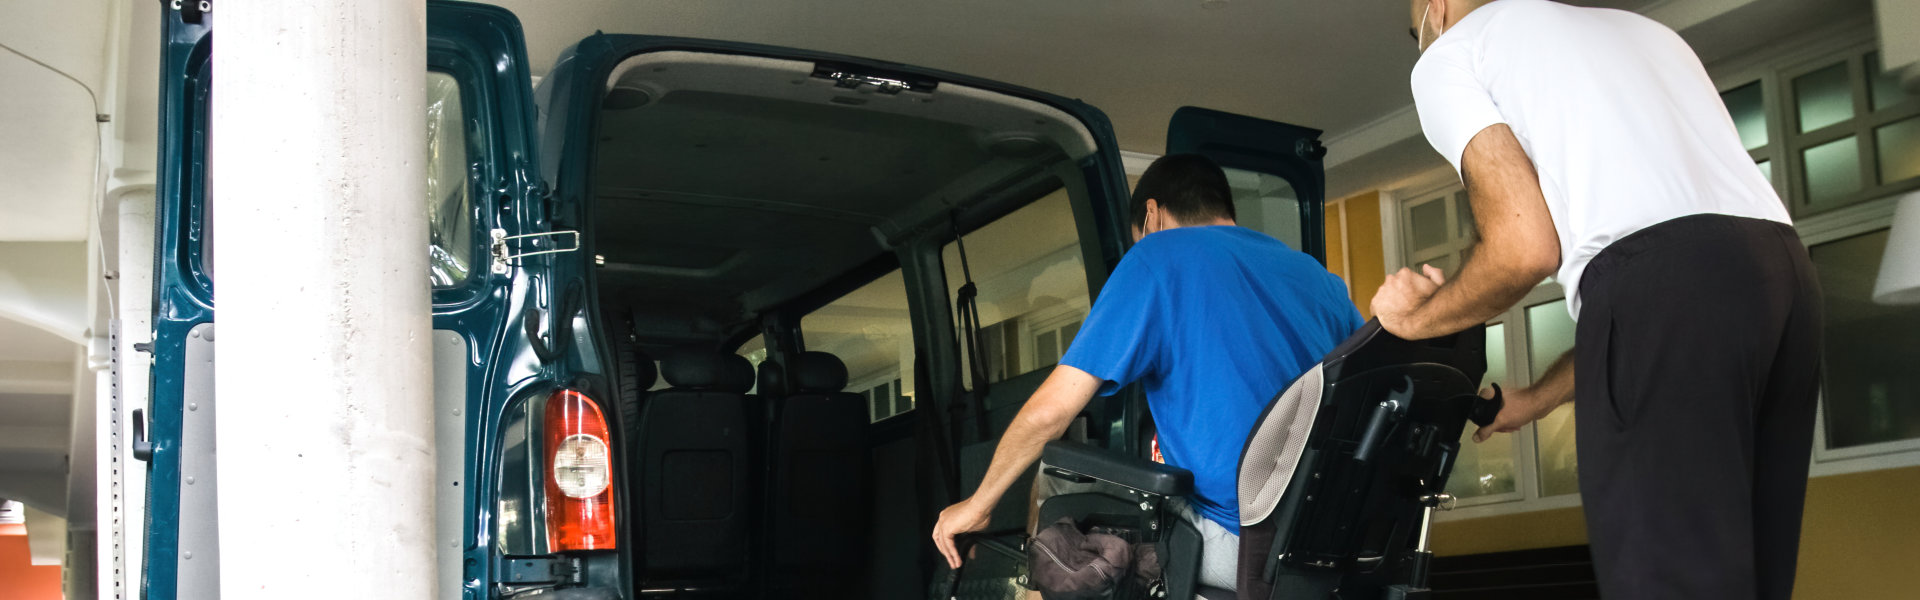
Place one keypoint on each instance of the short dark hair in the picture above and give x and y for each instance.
(1188, 186)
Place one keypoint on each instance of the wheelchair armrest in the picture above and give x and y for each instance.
(1071, 459)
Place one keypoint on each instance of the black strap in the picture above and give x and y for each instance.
(968, 308)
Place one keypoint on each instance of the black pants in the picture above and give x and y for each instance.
(1696, 370)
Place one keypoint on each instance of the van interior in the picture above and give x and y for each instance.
(749, 218)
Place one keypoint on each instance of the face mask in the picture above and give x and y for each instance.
(1422, 37)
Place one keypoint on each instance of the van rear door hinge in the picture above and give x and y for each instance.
(504, 254)
(191, 11)
(524, 570)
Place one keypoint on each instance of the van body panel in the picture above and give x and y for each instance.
(482, 48)
(535, 324)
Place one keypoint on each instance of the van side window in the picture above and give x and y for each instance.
(755, 351)
(1267, 204)
(449, 201)
(1032, 285)
(870, 331)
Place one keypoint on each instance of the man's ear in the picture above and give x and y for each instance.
(1151, 215)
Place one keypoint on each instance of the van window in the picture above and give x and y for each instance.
(755, 351)
(1032, 286)
(1267, 204)
(449, 205)
(870, 331)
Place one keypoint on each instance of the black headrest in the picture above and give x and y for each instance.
(818, 372)
(773, 380)
(705, 370)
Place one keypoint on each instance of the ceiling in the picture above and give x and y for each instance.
(1328, 65)
(47, 142)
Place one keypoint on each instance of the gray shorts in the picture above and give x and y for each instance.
(1219, 548)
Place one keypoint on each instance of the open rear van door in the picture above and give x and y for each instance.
(488, 238)
(1279, 184)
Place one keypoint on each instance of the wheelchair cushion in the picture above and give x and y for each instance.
(1273, 452)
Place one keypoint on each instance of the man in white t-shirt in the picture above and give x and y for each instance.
(1596, 150)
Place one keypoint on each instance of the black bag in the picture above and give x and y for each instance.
(1064, 563)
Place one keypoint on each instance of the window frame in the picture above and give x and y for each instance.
(484, 157)
(1524, 468)
(1786, 144)
(1867, 217)
(1449, 195)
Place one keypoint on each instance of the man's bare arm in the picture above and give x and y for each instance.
(1517, 249)
(1045, 417)
(1529, 404)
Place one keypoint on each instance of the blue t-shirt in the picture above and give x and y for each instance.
(1213, 322)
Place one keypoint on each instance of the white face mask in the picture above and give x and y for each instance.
(1422, 37)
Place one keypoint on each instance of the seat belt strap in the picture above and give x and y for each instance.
(967, 305)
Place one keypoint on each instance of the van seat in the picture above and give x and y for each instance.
(821, 477)
(694, 473)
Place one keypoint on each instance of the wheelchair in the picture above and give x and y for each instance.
(1338, 481)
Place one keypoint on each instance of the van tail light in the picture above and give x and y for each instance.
(580, 508)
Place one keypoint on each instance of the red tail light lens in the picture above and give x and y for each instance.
(580, 507)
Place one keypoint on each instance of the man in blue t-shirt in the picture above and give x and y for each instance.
(1212, 320)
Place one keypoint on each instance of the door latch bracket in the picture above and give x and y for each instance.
(191, 11)
(504, 254)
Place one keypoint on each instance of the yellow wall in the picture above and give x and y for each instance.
(1362, 248)
(1860, 538)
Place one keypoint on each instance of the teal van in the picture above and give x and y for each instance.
(712, 319)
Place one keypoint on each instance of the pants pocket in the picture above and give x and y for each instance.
(1596, 364)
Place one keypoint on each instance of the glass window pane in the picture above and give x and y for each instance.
(1886, 85)
(1766, 169)
(1046, 348)
(1027, 269)
(1428, 224)
(1486, 469)
(755, 351)
(1549, 335)
(1824, 97)
(1832, 170)
(1446, 263)
(1463, 215)
(1747, 106)
(449, 206)
(1267, 204)
(1871, 389)
(869, 330)
(1899, 146)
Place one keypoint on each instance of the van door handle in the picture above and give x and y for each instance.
(142, 449)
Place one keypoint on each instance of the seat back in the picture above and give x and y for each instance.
(1333, 476)
(694, 472)
(821, 476)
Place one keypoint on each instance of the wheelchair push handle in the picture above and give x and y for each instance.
(1485, 409)
(1390, 410)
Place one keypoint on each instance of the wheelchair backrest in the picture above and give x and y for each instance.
(1333, 477)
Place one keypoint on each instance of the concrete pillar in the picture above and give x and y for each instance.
(127, 483)
(324, 433)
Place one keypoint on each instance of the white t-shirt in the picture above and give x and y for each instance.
(1622, 123)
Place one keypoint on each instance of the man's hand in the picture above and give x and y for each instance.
(955, 520)
(1522, 406)
(1529, 404)
(1403, 294)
